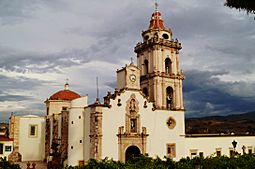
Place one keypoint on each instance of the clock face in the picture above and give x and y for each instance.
(132, 77)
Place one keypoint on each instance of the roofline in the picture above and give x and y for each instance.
(217, 135)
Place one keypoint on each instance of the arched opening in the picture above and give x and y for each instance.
(132, 152)
(169, 97)
(168, 66)
(146, 37)
(146, 67)
(145, 91)
(165, 36)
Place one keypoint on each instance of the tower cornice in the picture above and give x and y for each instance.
(179, 76)
(157, 41)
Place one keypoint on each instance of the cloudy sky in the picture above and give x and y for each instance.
(44, 42)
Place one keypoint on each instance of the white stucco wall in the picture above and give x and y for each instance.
(155, 122)
(208, 145)
(76, 131)
(55, 106)
(86, 133)
(32, 148)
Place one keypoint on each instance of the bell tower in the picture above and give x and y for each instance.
(158, 59)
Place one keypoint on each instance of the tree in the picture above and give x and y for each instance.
(245, 161)
(247, 5)
(7, 165)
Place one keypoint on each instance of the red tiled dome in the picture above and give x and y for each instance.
(156, 21)
(65, 94)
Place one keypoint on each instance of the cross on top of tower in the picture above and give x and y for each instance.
(67, 85)
(132, 60)
(156, 5)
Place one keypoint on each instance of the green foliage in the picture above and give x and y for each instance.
(7, 165)
(144, 162)
(247, 5)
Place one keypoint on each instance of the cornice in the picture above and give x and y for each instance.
(157, 41)
(179, 76)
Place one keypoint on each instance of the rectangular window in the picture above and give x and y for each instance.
(33, 131)
(193, 153)
(218, 153)
(133, 125)
(8, 148)
(249, 149)
(171, 150)
(1, 148)
(201, 154)
(64, 108)
(231, 152)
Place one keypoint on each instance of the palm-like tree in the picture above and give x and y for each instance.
(247, 5)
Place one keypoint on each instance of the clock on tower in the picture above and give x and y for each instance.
(128, 77)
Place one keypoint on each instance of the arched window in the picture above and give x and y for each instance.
(146, 66)
(169, 97)
(168, 66)
(145, 91)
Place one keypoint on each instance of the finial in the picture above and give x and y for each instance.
(156, 5)
(132, 60)
(97, 99)
(67, 85)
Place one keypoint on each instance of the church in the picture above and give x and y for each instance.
(144, 115)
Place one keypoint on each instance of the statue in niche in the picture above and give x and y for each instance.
(132, 106)
(169, 101)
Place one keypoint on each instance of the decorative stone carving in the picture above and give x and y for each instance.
(131, 134)
(132, 105)
(15, 157)
(96, 133)
(171, 123)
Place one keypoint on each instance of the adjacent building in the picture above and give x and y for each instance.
(6, 143)
(28, 135)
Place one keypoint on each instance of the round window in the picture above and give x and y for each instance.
(171, 123)
(146, 37)
(165, 36)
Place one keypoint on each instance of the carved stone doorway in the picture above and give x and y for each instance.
(132, 151)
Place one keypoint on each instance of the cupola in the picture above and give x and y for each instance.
(65, 94)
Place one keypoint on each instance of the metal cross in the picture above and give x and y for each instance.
(156, 5)
(132, 60)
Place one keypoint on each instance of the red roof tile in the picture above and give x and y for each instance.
(156, 21)
(65, 95)
(4, 138)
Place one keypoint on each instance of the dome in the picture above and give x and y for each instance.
(156, 21)
(65, 94)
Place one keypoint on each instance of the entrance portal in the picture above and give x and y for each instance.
(132, 152)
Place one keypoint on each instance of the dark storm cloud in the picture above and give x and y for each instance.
(7, 97)
(20, 61)
(217, 41)
(18, 84)
(213, 35)
(21, 83)
(205, 94)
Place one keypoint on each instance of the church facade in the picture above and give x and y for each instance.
(144, 115)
